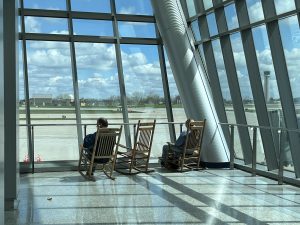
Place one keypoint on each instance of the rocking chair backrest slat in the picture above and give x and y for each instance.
(195, 135)
(106, 140)
(144, 136)
(144, 140)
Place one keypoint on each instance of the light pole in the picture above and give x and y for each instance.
(266, 85)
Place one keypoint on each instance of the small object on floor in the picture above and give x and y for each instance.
(49, 198)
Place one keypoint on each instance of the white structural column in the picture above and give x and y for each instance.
(191, 82)
(11, 102)
(1, 119)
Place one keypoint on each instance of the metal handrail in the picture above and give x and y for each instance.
(280, 130)
(88, 124)
(261, 127)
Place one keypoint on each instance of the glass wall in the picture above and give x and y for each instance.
(268, 79)
(272, 86)
(51, 99)
(226, 95)
(73, 80)
(98, 83)
(63, 69)
(143, 84)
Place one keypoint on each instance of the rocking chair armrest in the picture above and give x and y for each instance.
(170, 143)
(123, 146)
(82, 148)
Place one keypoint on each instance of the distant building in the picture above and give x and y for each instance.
(64, 100)
(41, 100)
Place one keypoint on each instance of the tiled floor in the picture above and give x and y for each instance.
(203, 197)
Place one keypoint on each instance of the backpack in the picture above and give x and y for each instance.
(89, 141)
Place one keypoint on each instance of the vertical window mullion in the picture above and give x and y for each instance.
(259, 99)
(121, 74)
(26, 84)
(74, 75)
(215, 85)
(235, 92)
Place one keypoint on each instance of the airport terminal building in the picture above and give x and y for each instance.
(233, 63)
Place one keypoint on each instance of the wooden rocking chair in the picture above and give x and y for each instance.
(190, 156)
(138, 157)
(103, 156)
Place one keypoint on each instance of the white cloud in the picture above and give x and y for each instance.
(127, 10)
(283, 6)
(49, 67)
(40, 24)
(59, 32)
(256, 12)
(49, 58)
(32, 25)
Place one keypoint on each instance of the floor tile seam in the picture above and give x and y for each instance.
(93, 195)
(108, 207)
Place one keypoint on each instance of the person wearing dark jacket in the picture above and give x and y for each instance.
(176, 148)
(89, 140)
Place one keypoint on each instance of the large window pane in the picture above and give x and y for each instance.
(212, 25)
(226, 95)
(244, 83)
(290, 34)
(255, 10)
(137, 29)
(144, 89)
(98, 82)
(141, 7)
(102, 6)
(46, 25)
(207, 4)
(201, 52)
(92, 27)
(284, 6)
(45, 4)
(191, 7)
(269, 82)
(196, 30)
(52, 100)
(231, 17)
(266, 67)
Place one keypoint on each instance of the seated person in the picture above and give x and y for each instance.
(89, 140)
(176, 148)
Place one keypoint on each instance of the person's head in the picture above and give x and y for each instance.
(187, 122)
(102, 123)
